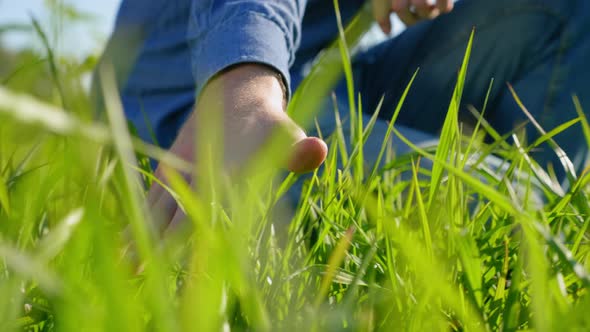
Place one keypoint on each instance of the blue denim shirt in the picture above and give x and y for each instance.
(221, 33)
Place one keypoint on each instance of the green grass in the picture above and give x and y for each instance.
(459, 246)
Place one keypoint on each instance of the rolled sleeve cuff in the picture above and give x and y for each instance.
(244, 38)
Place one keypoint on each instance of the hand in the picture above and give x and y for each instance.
(409, 11)
(251, 100)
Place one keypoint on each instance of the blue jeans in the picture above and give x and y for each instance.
(540, 47)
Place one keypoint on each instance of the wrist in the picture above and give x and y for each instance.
(248, 84)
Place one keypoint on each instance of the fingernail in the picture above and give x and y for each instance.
(385, 27)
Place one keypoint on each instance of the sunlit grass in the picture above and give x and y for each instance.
(467, 244)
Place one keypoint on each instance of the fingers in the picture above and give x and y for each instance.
(407, 17)
(413, 11)
(402, 9)
(308, 154)
(176, 222)
(423, 9)
(381, 10)
(163, 210)
(399, 5)
(160, 201)
(445, 6)
(409, 11)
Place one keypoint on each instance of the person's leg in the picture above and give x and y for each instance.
(327, 123)
(513, 39)
(547, 90)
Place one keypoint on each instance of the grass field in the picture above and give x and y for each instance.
(459, 246)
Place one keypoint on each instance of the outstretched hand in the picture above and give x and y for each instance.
(251, 100)
(409, 11)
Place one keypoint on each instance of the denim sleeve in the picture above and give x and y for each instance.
(226, 32)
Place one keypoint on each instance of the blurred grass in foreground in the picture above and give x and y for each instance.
(462, 245)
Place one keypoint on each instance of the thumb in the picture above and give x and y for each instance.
(307, 153)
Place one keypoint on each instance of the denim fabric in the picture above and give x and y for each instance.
(540, 47)
(156, 43)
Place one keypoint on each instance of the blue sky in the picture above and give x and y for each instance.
(79, 40)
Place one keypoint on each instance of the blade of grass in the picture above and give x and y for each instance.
(311, 94)
(4, 198)
(333, 264)
(479, 122)
(480, 187)
(50, 60)
(53, 243)
(141, 224)
(30, 268)
(28, 110)
(566, 163)
(449, 133)
(415, 252)
(422, 213)
(390, 125)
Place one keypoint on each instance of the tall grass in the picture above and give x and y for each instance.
(463, 245)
